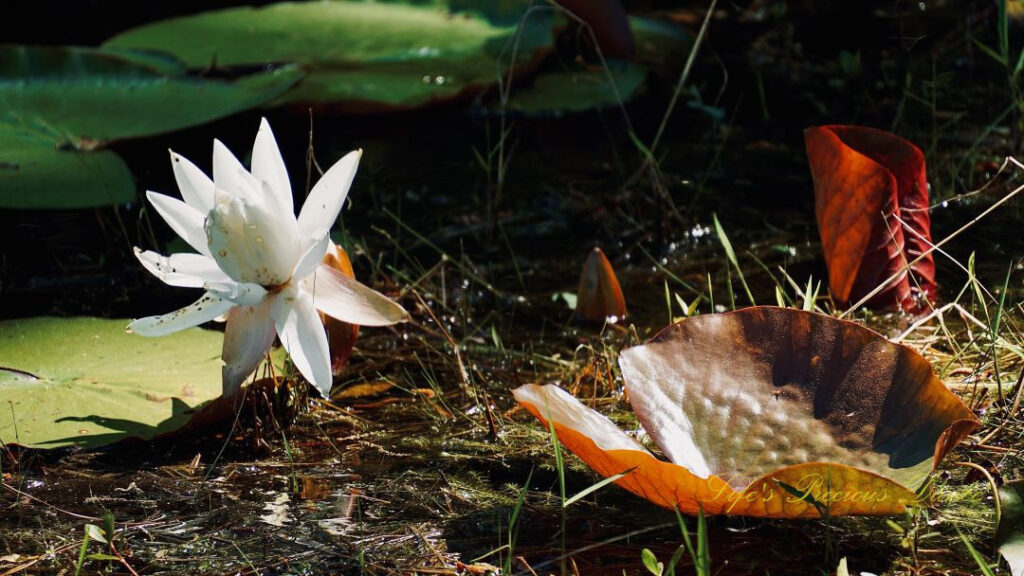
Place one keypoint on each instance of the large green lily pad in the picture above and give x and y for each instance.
(372, 54)
(85, 97)
(35, 174)
(86, 382)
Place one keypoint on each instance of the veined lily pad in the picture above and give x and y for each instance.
(86, 382)
(394, 54)
(84, 97)
(769, 412)
(35, 174)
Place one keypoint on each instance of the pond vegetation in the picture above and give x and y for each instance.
(501, 143)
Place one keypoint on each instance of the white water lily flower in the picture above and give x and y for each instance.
(260, 265)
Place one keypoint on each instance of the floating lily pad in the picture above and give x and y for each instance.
(1010, 532)
(35, 174)
(769, 412)
(660, 45)
(86, 382)
(554, 93)
(394, 55)
(86, 97)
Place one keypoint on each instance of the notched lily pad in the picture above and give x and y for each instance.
(36, 174)
(85, 382)
(769, 412)
(366, 55)
(85, 97)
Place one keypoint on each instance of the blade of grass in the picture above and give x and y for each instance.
(731, 255)
(590, 489)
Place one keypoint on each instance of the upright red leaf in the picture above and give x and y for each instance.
(599, 297)
(866, 182)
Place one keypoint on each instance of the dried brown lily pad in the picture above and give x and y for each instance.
(769, 412)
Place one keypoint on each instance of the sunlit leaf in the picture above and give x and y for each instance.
(769, 412)
(362, 55)
(84, 97)
(363, 389)
(85, 382)
(871, 202)
(35, 174)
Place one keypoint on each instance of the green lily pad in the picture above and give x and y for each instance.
(35, 174)
(86, 97)
(660, 45)
(391, 55)
(554, 93)
(86, 382)
(1010, 532)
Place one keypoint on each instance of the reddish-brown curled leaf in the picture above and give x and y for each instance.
(866, 182)
(764, 412)
(599, 297)
(609, 22)
(341, 336)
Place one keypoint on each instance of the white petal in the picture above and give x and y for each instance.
(312, 258)
(250, 243)
(247, 337)
(325, 200)
(268, 166)
(203, 310)
(185, 220)
(183, 269)
(302, 334)
(347, 300)
(196, 188)
(241, 293)
(229, 175)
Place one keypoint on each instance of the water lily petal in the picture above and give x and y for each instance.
(268, 166)
(250, 243)
(241, 293)
(184, 269)
(302, 334)
(312, 258)
(185, 220)
(346, 299)
(229, 175)
(247, 337)
(325, 200)
(203, 310)
(196, 188)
